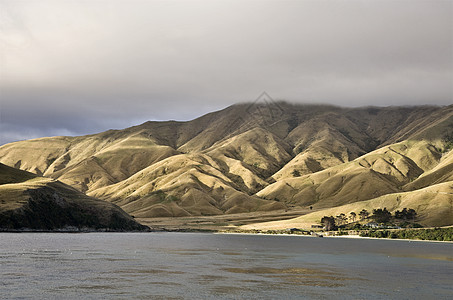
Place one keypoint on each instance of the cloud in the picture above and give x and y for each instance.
(85, 66)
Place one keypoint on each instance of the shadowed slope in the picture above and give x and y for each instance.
(380, 172)
(443, 172)
(29, 201)
(289, 154)
(180, 186)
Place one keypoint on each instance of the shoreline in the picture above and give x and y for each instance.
(65, 230)
(389, 239)
(220, 232)
(333, 236)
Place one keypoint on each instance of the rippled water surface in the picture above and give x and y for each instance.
(211, 266)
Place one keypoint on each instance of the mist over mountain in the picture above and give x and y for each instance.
(254, 157)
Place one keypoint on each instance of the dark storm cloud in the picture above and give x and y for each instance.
(75, 67)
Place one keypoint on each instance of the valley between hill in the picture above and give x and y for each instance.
(257, 162)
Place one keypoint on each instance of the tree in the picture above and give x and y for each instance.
(341, 219)
(329, 223)
(405, 214)
(352, 216)
(411, 213)
(363, 214)
(381, 215)
(399, 214)
(295, 173)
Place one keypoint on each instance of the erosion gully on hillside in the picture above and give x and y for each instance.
(267, 161)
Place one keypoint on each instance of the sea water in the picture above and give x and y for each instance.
(220, 266)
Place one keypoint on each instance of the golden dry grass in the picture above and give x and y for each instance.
(243, 159)
(23, 194)
(434, 206)
(384, 171)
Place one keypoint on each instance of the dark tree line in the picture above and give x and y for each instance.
(436, 234)
(406, 214)
(329, 223)
(378, 215)
(381, 215)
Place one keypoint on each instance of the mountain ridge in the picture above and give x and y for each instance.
(251, 157)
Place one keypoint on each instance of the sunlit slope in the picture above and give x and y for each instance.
(87, 162)
(434, 207)
(182, 185)
(30, 201)
(383, 171)
(442, 172)
(250, 157)
(258, 150)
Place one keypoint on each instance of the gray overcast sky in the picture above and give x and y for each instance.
(78, 67)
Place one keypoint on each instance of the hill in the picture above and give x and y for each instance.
(434, 206)
(28, 201)
(251, 157)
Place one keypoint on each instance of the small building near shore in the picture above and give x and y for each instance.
(373, 225)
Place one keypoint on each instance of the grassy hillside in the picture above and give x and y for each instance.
(434, 207)
(33, 202)
(181, 186)
(387, 170)
(251, 157)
